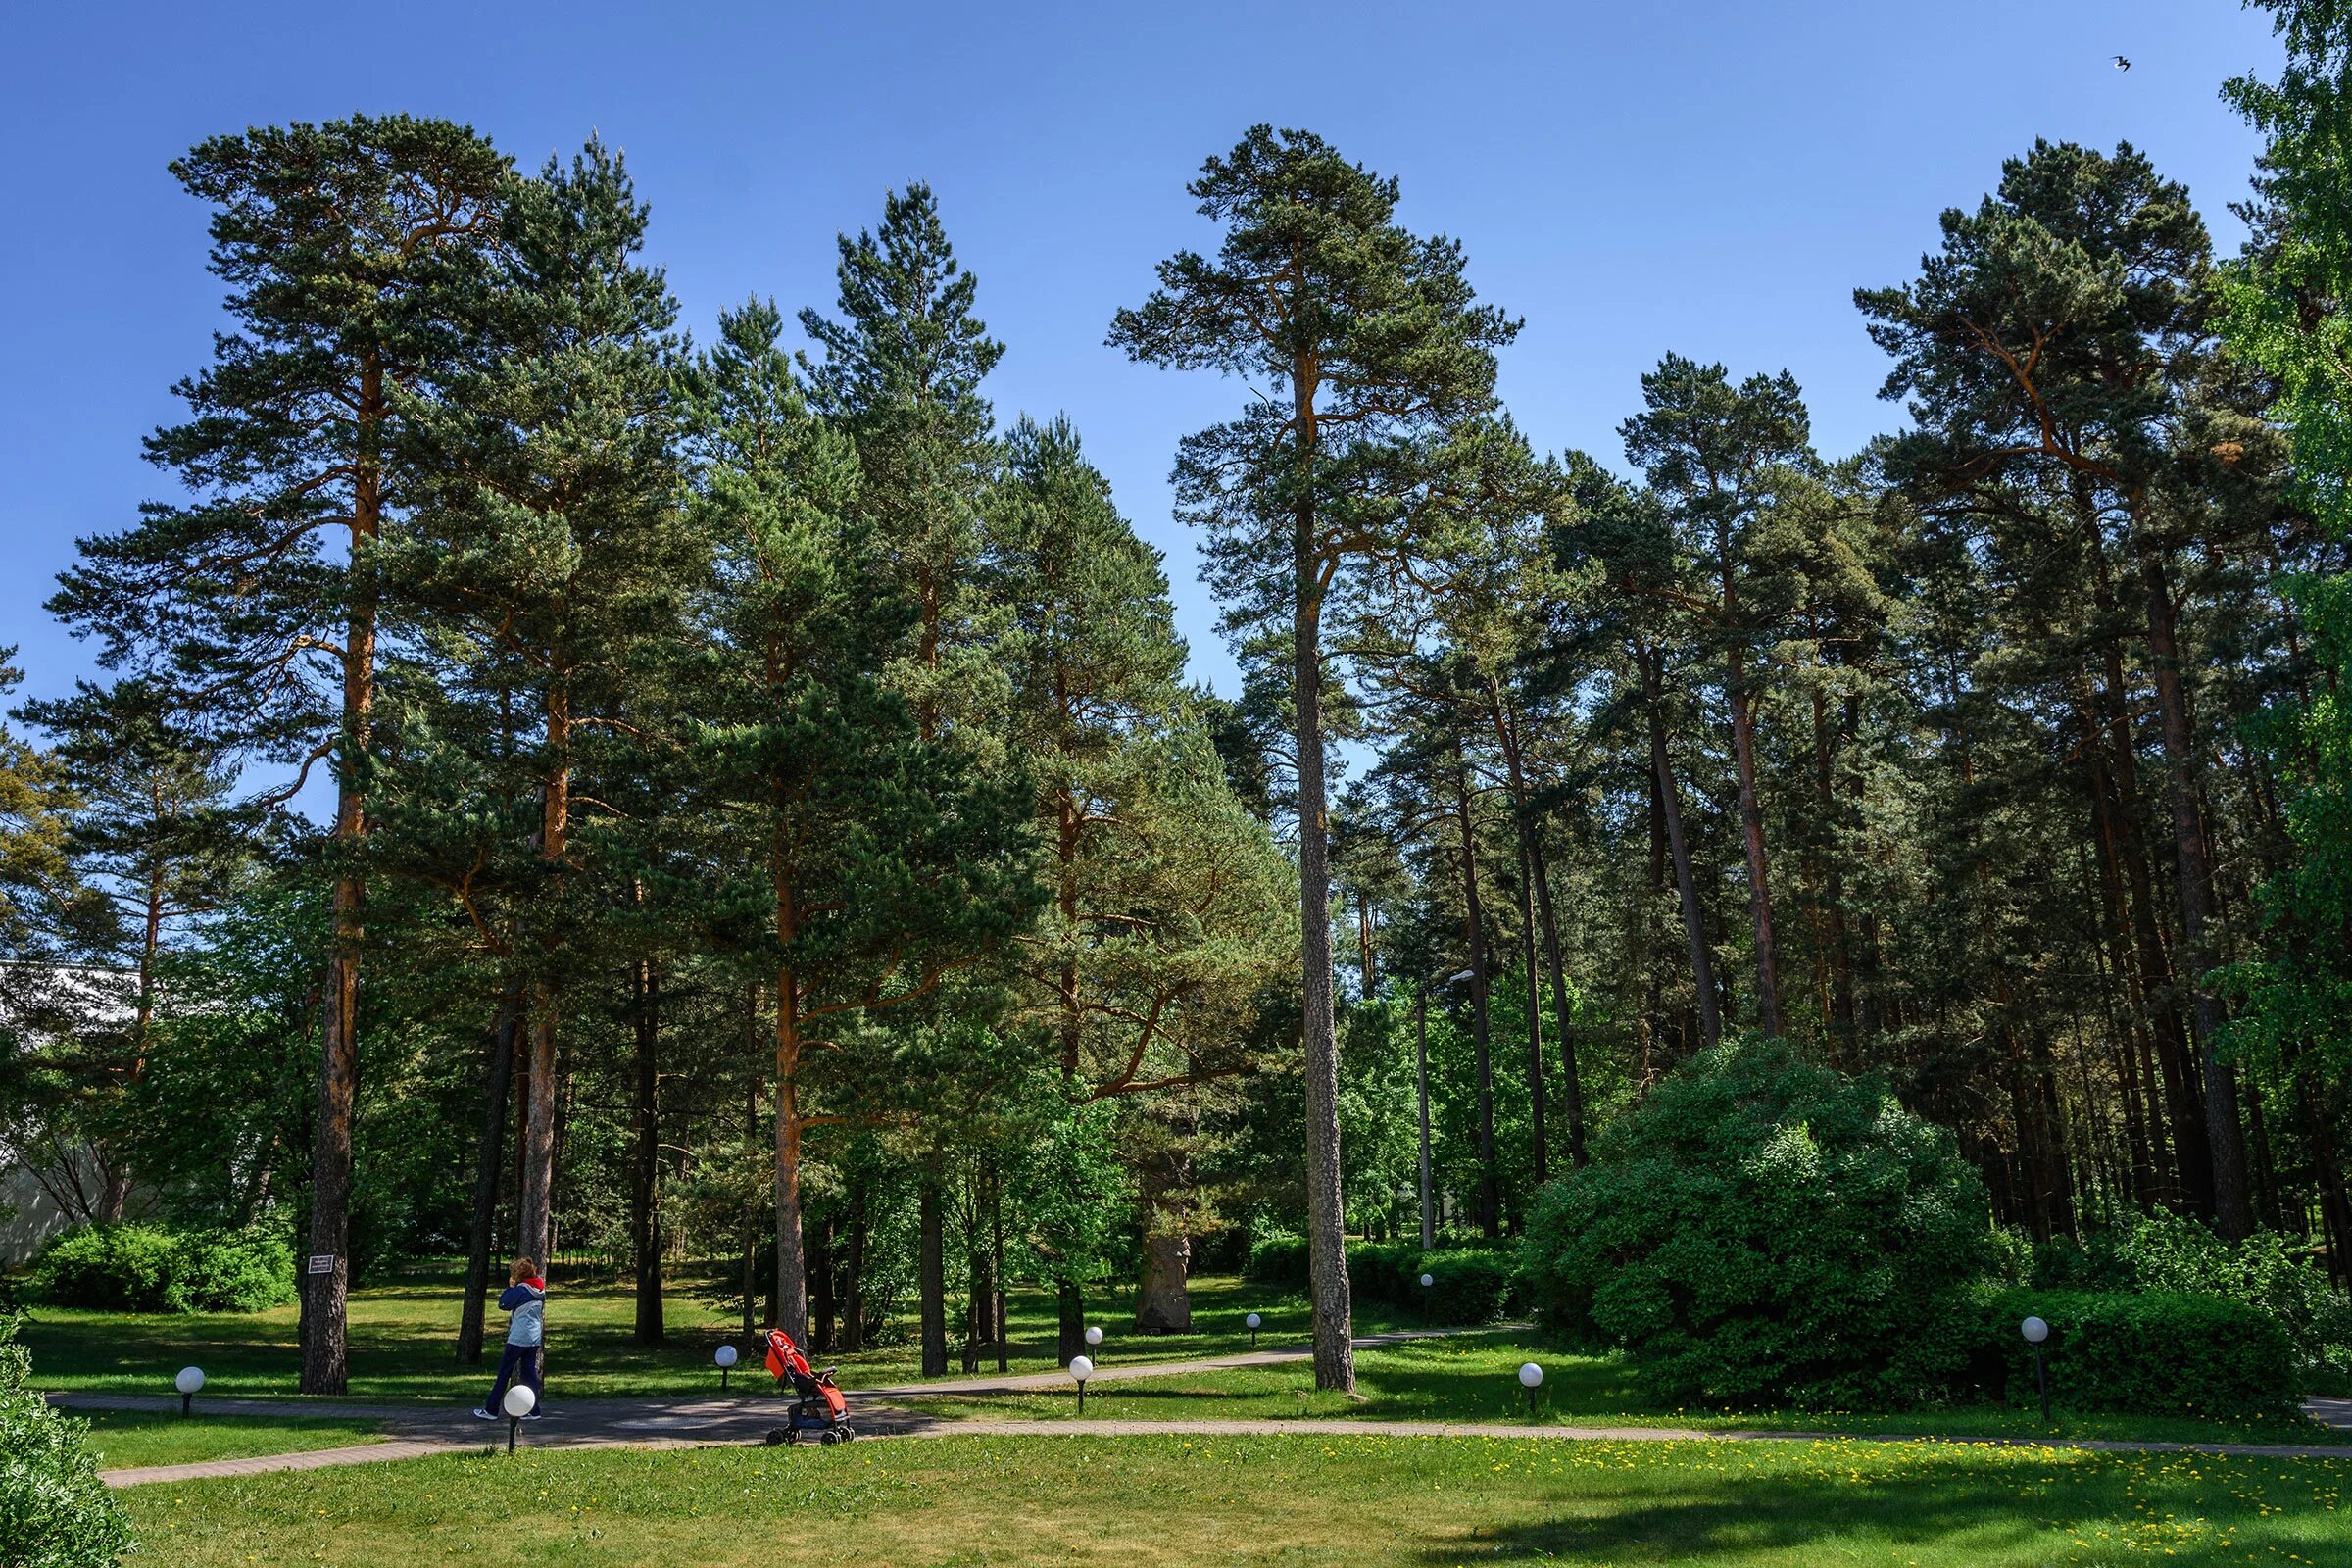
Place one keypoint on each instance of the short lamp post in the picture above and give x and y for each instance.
(1082, 1368)
(1094, 1338)
(1252, 1322)
(1531, 1378)
(2038, 1334)
(190, 1379)
(1427, 1280)
(725, 1357)
(517, 1403)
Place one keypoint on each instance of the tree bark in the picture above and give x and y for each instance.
(2232, 1211)
(792, 1266)
(932, 1285)
(1677, 846)
(1490, 1197)
(489, 1160)
(1325, 1211)
(539, 1138)
(645, 1165)
(1163, 1303)
(1751, 834)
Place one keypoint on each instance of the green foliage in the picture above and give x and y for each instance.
(2158, 1352)
(134, 1267)
(1469, 1284)
(1761, 1229)
(2174, 1254)
(54, 1511)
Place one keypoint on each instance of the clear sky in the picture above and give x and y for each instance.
(1709, 178)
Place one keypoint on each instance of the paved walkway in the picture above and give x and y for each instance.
(411, 1430)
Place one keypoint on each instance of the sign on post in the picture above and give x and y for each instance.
(322, 1262)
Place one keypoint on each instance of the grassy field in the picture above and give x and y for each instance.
(123, 1439)
(404, 1334)
(1475, 1377)
(1153, 1502)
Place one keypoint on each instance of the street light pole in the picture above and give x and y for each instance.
(1429, 1223)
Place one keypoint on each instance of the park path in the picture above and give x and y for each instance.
(411, 1430)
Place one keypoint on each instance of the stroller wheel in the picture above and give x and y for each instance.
(828, 1437)
(777, 1436)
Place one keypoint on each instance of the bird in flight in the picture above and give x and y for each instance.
(2122, 63)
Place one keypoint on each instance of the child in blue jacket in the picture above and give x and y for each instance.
(525, 1300)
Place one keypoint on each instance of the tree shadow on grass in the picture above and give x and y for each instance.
(1934, 1510)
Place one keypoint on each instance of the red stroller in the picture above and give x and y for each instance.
(818, 1408)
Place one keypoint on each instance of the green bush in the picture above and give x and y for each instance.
(132, 1267)
(2152, 1353)
(54, 1511)
(1277, 1260)
(1763, 1231)
(1472, 1285)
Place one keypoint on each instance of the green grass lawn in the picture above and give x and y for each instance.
(1475, 1377)
(123, 1439)
(404, 1334)
(1148, 1503)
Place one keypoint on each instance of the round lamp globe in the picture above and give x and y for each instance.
(1252, 1321)
(1530, 1376)
(1094, 1336)
(190, 1379)
(1427, 1280)
(519, 1401)
(725, 1355)
(2034, 1330)
(1081, 1367)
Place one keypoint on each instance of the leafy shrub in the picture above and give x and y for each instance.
(2152, 1353)
(54, 1511)
(1472, 1285)
(132, 1267)
(232, 1271)
(114, 1268)
(2180, 1256)
(1277, 1260)
(1763, 1231)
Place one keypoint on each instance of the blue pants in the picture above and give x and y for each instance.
(521, 1362)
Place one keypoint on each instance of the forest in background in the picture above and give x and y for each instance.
(775, 844)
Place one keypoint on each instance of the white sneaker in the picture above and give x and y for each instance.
(482, 1414)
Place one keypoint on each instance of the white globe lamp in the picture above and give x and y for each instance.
(190, 1379)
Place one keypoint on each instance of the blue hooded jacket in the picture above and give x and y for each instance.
(527, 1302)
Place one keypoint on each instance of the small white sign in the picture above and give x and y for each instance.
(322, 1262)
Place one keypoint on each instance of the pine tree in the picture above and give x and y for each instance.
(2060, 331)
(888, 860)
(1372, 347)
(1163, 924)
(154, 830)
(335, 241)
(552, 538)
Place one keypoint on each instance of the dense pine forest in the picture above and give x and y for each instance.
(734, 814)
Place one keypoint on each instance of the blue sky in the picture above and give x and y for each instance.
(1709, 178)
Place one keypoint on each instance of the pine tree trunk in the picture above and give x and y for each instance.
(1572, 1104)
(1070, 1334)
(1325, 1211)
(539, 1138)
(1537, 1132)
(1670, 807)
(1489, 1195)
(932, 1282)
(1751, 835)
(1163, 1303)
(489, 1160)
(645, 1165)
(853, 1296)
(791, 1267)
(2232, 1213)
